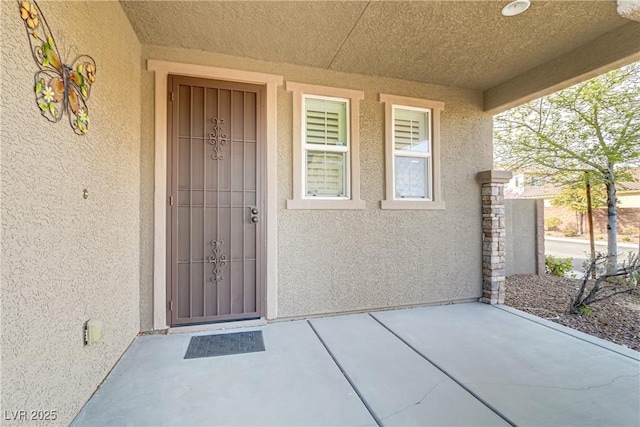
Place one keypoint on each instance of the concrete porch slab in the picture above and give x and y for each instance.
(530, 373)
(464, 364)
(293, 382)
(400, 386)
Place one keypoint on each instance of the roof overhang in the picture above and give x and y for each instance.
(466, 44)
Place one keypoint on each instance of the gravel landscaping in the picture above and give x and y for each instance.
(616, 320)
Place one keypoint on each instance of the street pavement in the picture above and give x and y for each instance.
(579, 250)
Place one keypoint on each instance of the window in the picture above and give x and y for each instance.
(412, 153)
(325, 148)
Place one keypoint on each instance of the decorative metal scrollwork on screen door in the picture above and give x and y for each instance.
(217, 260)
(217, 138)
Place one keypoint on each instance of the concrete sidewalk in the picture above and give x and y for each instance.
(466, 364)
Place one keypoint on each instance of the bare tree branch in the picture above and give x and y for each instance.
(597, 266)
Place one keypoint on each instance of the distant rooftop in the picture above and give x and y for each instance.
(549, 190)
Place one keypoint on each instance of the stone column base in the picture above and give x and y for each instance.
(493, 235)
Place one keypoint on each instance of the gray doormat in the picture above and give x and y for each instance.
(225, 344)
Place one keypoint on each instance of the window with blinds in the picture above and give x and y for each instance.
(412, 153)
(326, 146)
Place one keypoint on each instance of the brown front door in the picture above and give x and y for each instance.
(216, 238)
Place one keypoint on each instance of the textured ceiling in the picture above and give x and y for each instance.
(455, 43)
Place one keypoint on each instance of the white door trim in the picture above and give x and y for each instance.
(162, 70)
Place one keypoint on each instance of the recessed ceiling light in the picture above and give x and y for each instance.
(516, 7)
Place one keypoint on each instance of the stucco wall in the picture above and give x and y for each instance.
(65, 259)
(629, 201)
(334, 261)
(524, 237)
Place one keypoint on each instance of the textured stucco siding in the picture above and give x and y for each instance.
(337, 261)
(630, 201)
(522, 236)
(65, 259)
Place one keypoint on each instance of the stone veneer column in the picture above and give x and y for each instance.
(493, 235)
(540, 265)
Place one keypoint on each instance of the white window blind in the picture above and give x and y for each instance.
(411, 130)
(412, 153)
(326, 147)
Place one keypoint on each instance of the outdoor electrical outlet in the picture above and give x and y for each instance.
(92, 332)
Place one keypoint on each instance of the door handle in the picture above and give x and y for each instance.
(254, 215)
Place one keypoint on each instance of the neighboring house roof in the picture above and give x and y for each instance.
(533, 192)
(548, 191)
(634, 185)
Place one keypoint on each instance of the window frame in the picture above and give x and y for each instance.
(306, 147)
(300, 200)
(413, 154)
(390, 201)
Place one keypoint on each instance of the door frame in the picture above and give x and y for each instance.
(162, 70)
(172, 189)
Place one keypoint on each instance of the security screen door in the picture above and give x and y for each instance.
(215, 214)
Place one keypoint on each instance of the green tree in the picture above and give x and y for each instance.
(574, 196)
(592, 127)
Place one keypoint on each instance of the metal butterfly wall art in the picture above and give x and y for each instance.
(59, 87)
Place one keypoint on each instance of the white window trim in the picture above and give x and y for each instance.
(299, 199)
(416, 154)
(436, 202)
(328, 148)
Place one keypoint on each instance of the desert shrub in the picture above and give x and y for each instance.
(552, 223)
(585, 310)
(570, 231)
(631, 231)
(625, 238)
(558, 266)
(610, 280)
(634, 278)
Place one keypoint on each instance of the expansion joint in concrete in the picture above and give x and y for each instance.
(445, 372)
(346, 376)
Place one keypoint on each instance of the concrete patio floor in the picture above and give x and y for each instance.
(466, 364)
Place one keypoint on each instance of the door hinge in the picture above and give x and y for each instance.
(170, 200)
(170, 305)
(170, 96)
